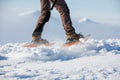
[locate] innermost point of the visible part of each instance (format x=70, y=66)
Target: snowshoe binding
x=37, y=42
x=75, y=39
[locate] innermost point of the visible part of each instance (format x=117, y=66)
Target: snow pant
x=62, y=8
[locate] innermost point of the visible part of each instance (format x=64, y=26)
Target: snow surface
x=96, y=59
x=90, y=60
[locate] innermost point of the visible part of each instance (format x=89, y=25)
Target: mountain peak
x=32, y=12
x=86, y=20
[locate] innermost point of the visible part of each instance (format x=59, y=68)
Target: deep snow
x=91, y=60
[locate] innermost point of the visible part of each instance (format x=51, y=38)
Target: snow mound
x=91, y=60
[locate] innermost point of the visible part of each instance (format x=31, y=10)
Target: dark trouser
x=62, y=8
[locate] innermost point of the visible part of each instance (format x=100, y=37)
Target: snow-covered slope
x=91, y=60
x=96, y=59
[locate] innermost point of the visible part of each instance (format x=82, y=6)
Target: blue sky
x=99, y=10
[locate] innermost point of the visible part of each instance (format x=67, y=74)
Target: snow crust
x=91, y=60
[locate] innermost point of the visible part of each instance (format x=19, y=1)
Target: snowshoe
x=75, y=39
x=38, y=42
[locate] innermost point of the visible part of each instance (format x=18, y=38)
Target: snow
x=95, y=59
x=90, y=60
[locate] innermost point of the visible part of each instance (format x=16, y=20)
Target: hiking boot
x=74, y=37
x=37, y=40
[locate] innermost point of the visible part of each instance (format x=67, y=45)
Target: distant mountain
x=97, y=30
x=32, y=12
x=86, y=20
x=22, y=26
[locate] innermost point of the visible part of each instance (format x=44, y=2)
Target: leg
x=44, y=17
x=62, y=8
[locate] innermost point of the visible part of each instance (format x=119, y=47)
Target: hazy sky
x=100, y=10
